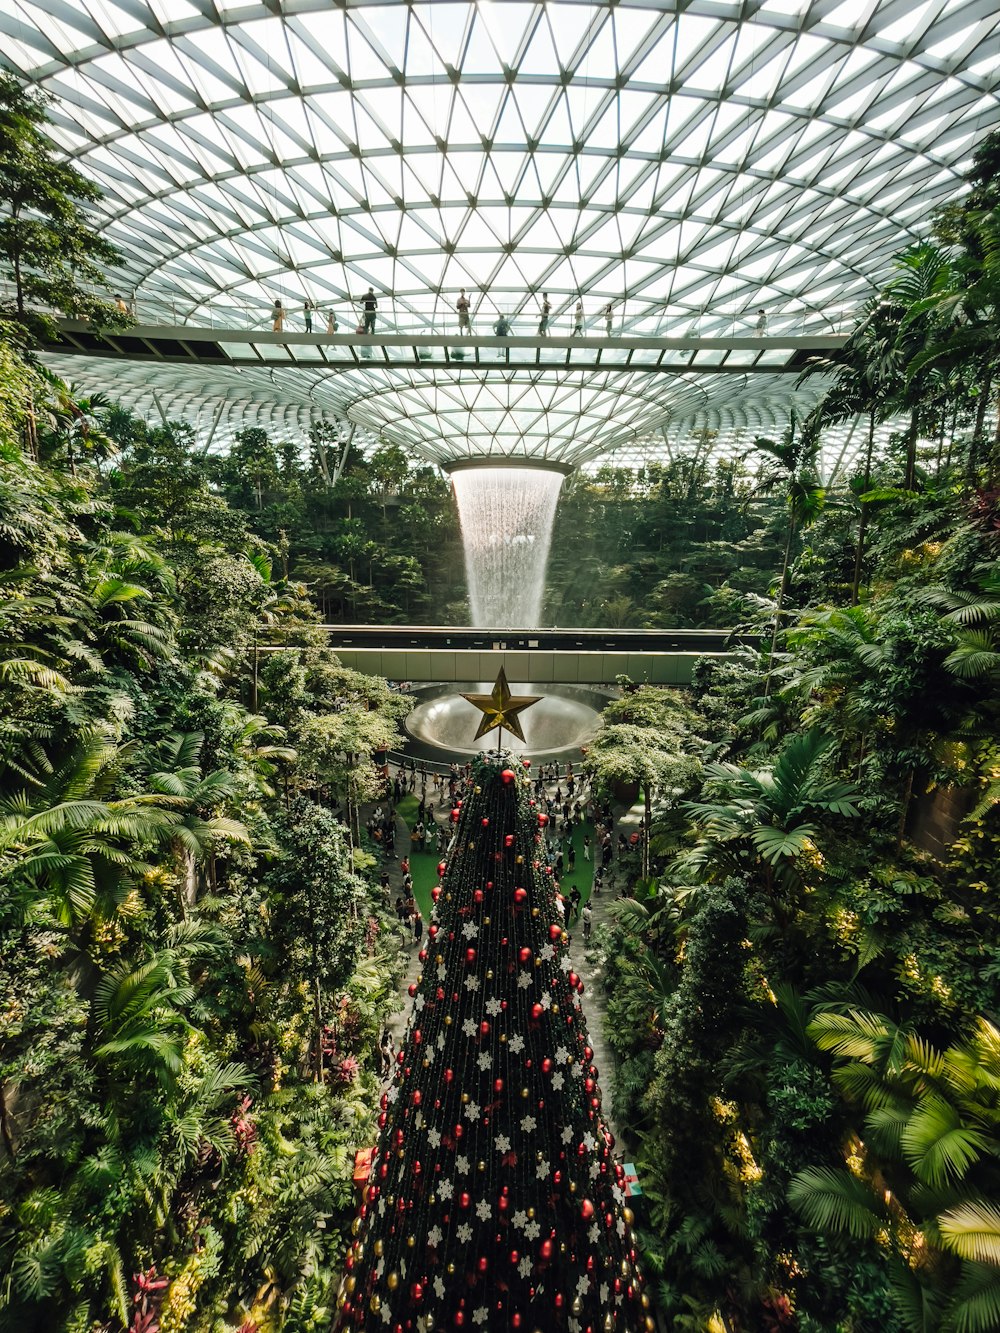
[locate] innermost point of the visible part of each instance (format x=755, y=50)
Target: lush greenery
x=194, y=963
x=804, y=998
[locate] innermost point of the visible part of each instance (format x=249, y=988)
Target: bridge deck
x=179, y=343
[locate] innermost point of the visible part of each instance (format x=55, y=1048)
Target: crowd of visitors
x=502, y=325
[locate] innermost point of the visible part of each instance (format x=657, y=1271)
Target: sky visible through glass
x=689, y=163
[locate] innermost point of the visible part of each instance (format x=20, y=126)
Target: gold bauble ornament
x=465, y=1099
x=450, y=1270
x=410, y=1242
x=379, y=1247
x=447, y=1020
x=629, y=1216
x=351, y=1283
x=392, y=1281
x=375, y=1304
x=480, y=1166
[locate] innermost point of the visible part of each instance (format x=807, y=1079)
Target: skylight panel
x=761, y=82
x=850, y=14
x=506, y=25
x=658, y=66
x=323, y=31
x=947, y=46
x=693, y=32
x=540, y=57
x=69, y=33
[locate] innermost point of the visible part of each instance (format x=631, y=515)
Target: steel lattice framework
x=691, y=162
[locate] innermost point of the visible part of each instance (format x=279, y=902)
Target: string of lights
x=494, y=1200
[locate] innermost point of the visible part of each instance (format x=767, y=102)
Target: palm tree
x=197, y=801
x=763, y=822
x=67, y=847
x=796, y=459
x=867, y=368
x=931, y=1138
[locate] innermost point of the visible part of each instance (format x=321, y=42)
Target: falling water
x=506, y=515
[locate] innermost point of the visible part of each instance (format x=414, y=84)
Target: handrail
x=405, y=316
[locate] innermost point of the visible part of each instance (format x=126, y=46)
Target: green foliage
x=186, y=953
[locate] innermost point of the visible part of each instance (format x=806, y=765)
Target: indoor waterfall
x=506, y=515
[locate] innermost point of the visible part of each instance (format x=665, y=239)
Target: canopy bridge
x=785, y=354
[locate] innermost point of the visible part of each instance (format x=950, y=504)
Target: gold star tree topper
x=500, y=708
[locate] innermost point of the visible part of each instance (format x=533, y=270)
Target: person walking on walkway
x=307, y=312
x=543, y=323
x=462, y=306
x=607, y=319
x=278, y=317
x=331, y=322
x=370, y=306
x=761, y=326
x=578, y=319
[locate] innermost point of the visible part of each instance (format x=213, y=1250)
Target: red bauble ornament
x=543, y=819
x=573, y=979
x=449, y=1074
x=507, y=776
x=477, y=897
x=411, y=989
x=486, y=821
x=521, y=896
x=418, y=1036
x=442, y=867
x=454, y=815
x=484, y=1028
x=498, y=1085
x=417, y=1292
x=464, y=1199
x=436, y=892
x=417, y=1097
x=525, y=954
x=555, y=932
x=545, y=1249
x=508, y=840
x=470, y=955
x=546, y=1065
x=586, y=1210
x=483, y=1263
x=536, y=1012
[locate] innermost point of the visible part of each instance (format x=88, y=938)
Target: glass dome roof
x=690, y=162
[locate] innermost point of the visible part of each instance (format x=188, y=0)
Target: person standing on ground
x=543, y=323
x=586, y=848
x=278, y=317
x=587, y=917
x=462, y=306
x=607, y=319
x=307, y=312
x=370, y=305
x=578, y=319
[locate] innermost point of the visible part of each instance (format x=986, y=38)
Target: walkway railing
x=403, y=316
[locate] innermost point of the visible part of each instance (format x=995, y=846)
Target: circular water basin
x=565, y=718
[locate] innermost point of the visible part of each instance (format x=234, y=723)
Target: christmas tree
x=494, y=1201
